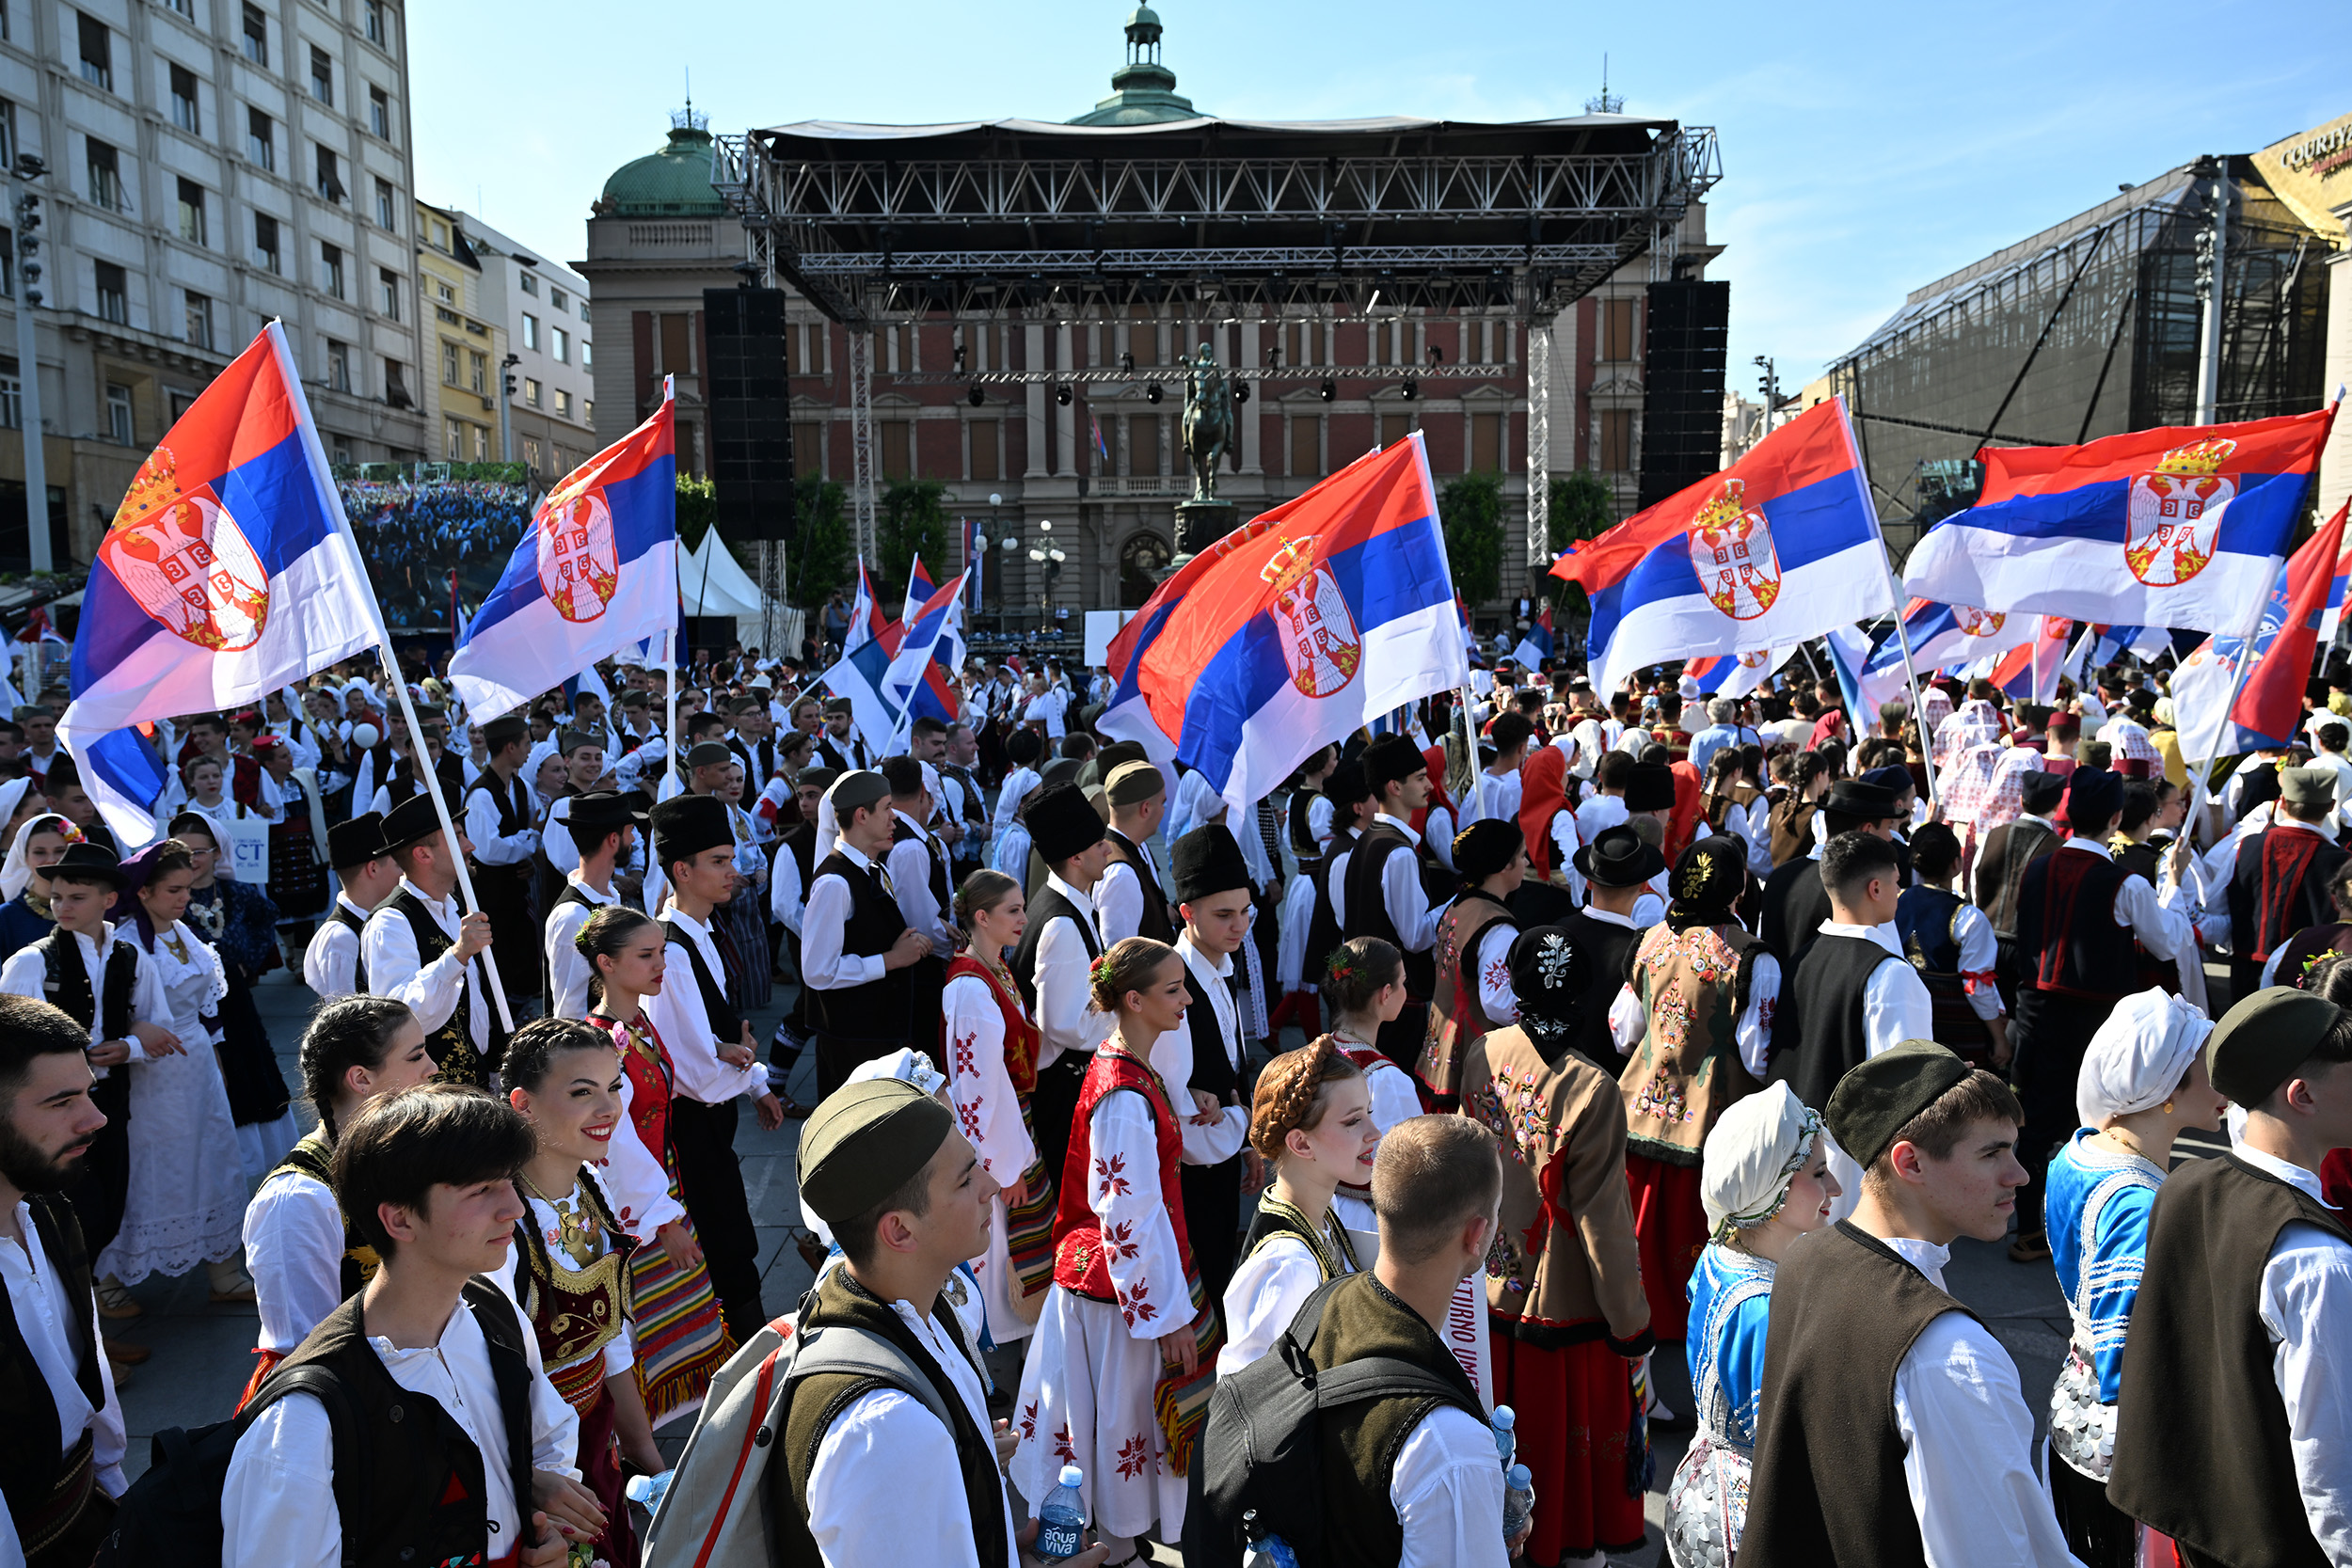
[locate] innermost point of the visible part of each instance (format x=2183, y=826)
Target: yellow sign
x=2312, y=174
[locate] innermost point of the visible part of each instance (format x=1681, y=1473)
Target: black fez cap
x=1871, y=802
x=1650, y=788
x=686, y=825
x=1390, y=758
x=1485, y=848
x=1062, y=822
x=2094, y=795
x=1208, y=859
x=356, y=842
x=2040, y=792
x=1345, y=785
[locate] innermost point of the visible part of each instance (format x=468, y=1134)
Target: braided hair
x=1290, y=1092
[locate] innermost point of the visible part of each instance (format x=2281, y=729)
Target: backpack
x=1263, y=1450
x=170, y=1516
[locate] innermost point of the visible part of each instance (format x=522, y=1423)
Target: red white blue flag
x=1293, y=630
x=1536, y=646
x=2336, y=582
x=2029, y=672
x=1735, y=674
x=917, y=682
x=2269, y=707
x=2178, y=527
x=229, y=573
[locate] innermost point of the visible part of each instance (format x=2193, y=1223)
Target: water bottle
x=1266, y=1549
x=647, y=1491
x=1506, y=1433
x=1061, y=1518
x=1518, y=1500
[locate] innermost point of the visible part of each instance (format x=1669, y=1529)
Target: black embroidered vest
x=65, y=981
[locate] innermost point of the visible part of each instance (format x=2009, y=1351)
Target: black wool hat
x=2093, y=797
x=356, y=842
x=1346, y=784
x=1390, y=758
x=1549, y=976
x=1871, y=802
x=1485, y=848
x=414, y=820
x=1208, y=859
x=1062, y=822
x=686, y=825
x=1617, y=857
x=89, y=862
x=2040, y=792
x=1651, y=788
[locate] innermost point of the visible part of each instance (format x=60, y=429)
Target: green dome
x=672, y=182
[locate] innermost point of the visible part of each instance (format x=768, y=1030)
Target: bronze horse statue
x=1208, y=421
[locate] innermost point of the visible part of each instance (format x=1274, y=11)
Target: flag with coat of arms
x=2267, y=708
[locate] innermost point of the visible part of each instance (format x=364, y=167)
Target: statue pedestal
x=1200, y=524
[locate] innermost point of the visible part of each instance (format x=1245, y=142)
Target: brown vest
x=1687, y=1070
x=1792, y=830
x=1456, y=1020
x=2009, y=850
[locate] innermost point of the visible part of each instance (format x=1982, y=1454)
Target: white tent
x=711, y=583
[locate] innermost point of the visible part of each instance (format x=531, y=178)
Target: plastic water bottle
x=648, y=1491
x=1266, y=1549
x=1061, y=1518
x=1518, y=1500
x=1506, y=1433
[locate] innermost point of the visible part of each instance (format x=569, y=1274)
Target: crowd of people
x=416, y=533
x=1325, y=1174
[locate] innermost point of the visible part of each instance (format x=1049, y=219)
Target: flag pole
x=1918, y=703
x=669, y=736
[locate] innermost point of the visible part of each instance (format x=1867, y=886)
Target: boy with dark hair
x=420, y=948
x=917, y=864
x=1894, y=1430
x=1795, y=896
x=363, y=865
x=603, y=825
x=1057, y=952
x=484, y=1472
x=854, y=936
x=1499, y=784
x=1951, y=944
x=1395, y=889
x=501, y=817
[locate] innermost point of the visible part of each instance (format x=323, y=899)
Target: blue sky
x=1866, y=149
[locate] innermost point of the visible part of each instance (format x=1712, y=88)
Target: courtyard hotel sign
x=2310, y=173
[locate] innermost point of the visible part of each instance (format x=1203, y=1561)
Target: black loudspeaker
x=750, y=406
x=1682, y=381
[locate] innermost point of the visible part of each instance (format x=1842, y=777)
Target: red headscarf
x=1543, y=795
x=1435, y=758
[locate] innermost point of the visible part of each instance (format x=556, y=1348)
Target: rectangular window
x=185, y=112
x=449, y=363
x=186, y=7
x=8, y=129
x=677, y=335
x=531, y=392
x=454, y=435
x=379, y=33
x=588, y=411
x=261, y=138
x=12, y=402
x=338, y=366
x=897, y=449
x=387, y=288
x=559, y=300
x=530, y=451
x=97, y=52
x=443, y=292
x=386, y=205
x=1143, y=443
x=587, y=354
x=531, y=282
x=322, y=76
x=199, y=318
x=983, y=433
x=331, y=268
x=1394, y=428
x=1617, y=440
x=114, y=294
x=1486, y=443
x=559, y=345
x=120, y=428
x=8, y=263
x=531, y=331
x=1617, y=328
x=481, y=443
x=380, y=113
x=563, y=402
x=1306, y=446
x=265, y=243
x=481, y=371
x=105, y=176
x=396, y=385
x=256, y=36
x=327, y=170
x=191, y=212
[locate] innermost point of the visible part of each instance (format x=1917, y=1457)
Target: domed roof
x=672, y=182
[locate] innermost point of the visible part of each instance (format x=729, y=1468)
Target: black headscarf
x=1707, y=883
x=1550, y=975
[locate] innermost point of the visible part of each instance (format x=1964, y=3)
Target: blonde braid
x=1290, y=1092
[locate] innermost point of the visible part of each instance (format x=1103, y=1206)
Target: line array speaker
x=1682, y=386
x=748, y=399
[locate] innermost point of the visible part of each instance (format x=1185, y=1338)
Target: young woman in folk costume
x=1548, y=821
x=1364, y=986
x=570, y=1277
x=681, y=1341
x=1118, y=1372
x=306, y=1258
x=1695, y=1021
x=1474, y=936
x=239, y=924
x=988, y=1043
x=1766, y=1181
x=38, y=845
x=1570, y=1327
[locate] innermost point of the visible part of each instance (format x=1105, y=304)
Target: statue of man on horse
x=1208, y=420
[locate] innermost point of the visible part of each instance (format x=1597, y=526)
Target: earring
x=2167, y=1107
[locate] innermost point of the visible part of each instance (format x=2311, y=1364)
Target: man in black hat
x=502, y=815
x=854, y=936
x=1618, y=866
x=917, y=862
x=2231, y=1435
x=712, y=1054
x=1396, y=888
x=422, y=948
x=2278, y=880
x=603, y=825
x=1206, y=1054
x=1795, y=902
x=1894, y=1428
x=363, y=867
x=2087, y=931
x=839, y=746
x=1063, y=940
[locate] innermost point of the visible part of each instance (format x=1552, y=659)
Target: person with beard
x=62, y=1468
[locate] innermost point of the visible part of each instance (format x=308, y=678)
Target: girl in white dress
x=187, y=1189
x=1127, y=1314
x=1311, y=1120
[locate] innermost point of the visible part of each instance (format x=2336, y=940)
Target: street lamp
x=1048, y=558
x=979, y=536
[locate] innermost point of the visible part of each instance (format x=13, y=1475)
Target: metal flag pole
x=1918, y=706
x=669, y=683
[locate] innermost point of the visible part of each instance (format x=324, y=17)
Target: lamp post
x=28, y=173
x=1049, y=558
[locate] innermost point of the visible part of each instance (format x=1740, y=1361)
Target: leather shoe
x=2031, y=1246
x=123, y=1353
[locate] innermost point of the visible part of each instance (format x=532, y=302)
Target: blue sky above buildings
x=1868, y=148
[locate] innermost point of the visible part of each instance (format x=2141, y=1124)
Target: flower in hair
x=1340, y=967
x=1100, y=971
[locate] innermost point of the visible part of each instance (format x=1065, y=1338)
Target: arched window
x=1142, y=559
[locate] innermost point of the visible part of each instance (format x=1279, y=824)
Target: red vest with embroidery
x=1080, y=1264
x=646, y=1062
x=1019, y=1033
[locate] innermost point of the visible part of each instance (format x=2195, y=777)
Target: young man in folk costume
x=2001, y=861
x=501, y=817
x=603, y=825
x=420, y=948
x=790, y=875
x=1892, y=1431
x=1063, y=940
x=2230, y=1433
x=1134, y=898
x=1474, y=936
x=363, y=864
x=2279, y=884
x=1564, y=1294
x=1348, y=794
x=840, y=747
x=2087, y=931
x=1950, y=942
x=917, y=864
x=1697, y=1019
x=854, y=937
x=1796, y=901
x=1618, y=866
x=712, y=1051
x=1395, y=889
x=484, y=1472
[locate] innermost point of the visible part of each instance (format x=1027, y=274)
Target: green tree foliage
x=913, y=522
x=1582, y=509
x=697, y=508
x=819, y=558
x=1469, y=508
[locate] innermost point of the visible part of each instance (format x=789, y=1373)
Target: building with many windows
x=210, y=165
x=542, y=308
x=464, y=342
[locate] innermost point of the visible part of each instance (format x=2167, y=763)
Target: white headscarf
x=11, y=796
x=2138, y=1056
x=1755, y=1149
x=18, y=873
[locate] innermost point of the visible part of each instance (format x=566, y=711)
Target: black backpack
x=1261, y=1453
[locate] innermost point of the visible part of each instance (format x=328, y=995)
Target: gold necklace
x=2130, y=1144
x=577, y=1230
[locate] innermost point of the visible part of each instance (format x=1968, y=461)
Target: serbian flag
x=229, y=573
x=2179, y=527
x=1536, y=646
x=916, y=683
x=2333, y=614
x=1779, y=547
x=596, y=572
x=1294, y=630
x=1734, y=674
x=2268, y=709
x=919, y=591
x=2029, y=672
